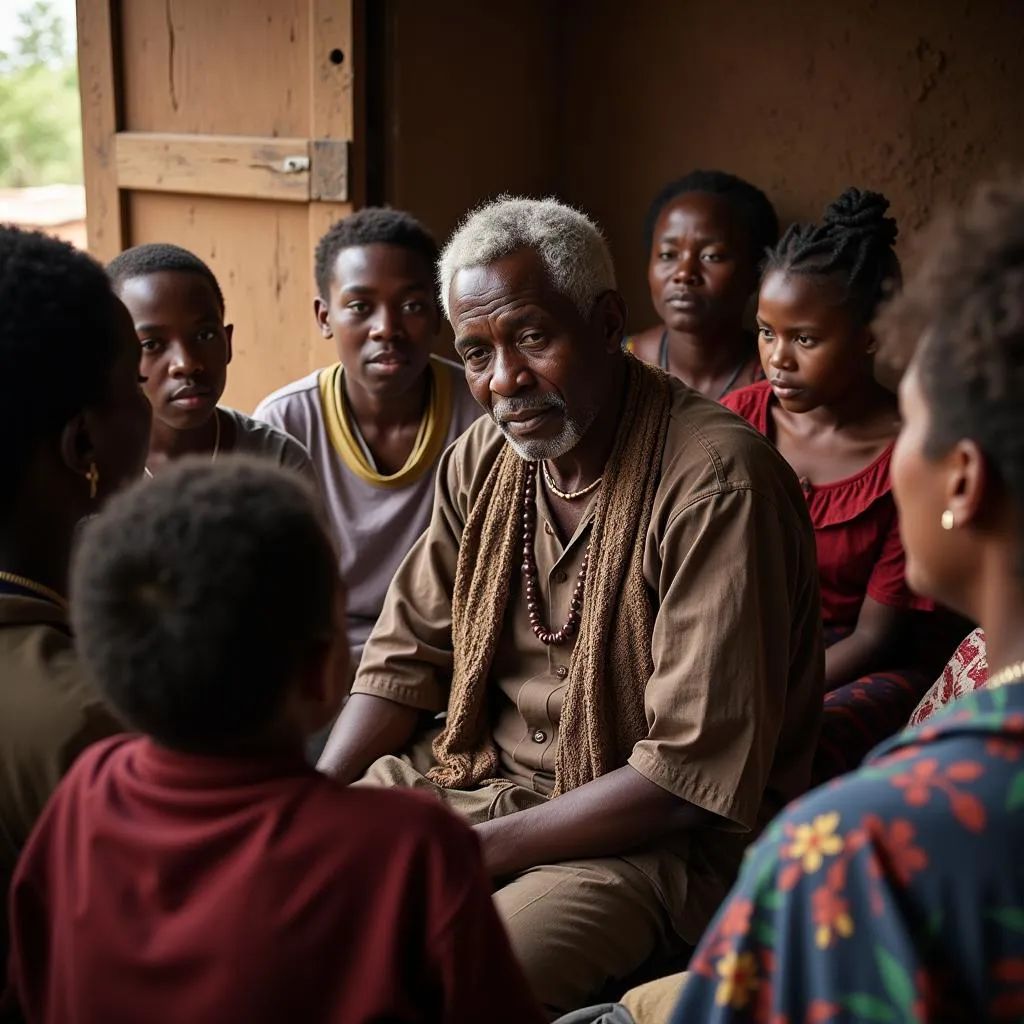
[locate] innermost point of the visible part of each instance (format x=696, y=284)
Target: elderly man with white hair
x=615, y=608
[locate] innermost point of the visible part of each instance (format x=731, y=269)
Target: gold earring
x=93, y=476
x=948, y=520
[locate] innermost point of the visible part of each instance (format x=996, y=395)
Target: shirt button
x=539, y=736
x=560, y=576
x=561, y=671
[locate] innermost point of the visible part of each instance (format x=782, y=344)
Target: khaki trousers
x=575, y=926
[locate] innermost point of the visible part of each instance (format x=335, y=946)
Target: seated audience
x=75, y=426
x=835, y=425
x=376, y=422
x=202, y=871
x=705, y=235
x=895, y=893
x=624, y=709
x=178, y=309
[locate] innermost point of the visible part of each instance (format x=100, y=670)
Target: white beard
x=539, y=451
x=573, y=428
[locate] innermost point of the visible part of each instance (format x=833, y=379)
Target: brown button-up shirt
x=734, y=702
x=48, y=715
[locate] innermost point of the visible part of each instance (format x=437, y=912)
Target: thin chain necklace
x=570, y=495
x=663, y=364
x=36, y=588
x=1011, y=674
x=216, y=441
x=541, y=631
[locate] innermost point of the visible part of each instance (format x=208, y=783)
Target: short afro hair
x=155, y=258
x=199, y=594
x=855, y=241
x=374, y=225
x=963, y=314
x=58, y=342
x=753, y=207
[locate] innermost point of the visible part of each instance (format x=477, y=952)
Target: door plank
x=104, y=208
x=254, y=167
x=332, y=66
x=215, y=67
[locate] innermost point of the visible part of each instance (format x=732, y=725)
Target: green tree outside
x=40, y=116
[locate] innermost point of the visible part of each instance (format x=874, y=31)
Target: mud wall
x=917, y=100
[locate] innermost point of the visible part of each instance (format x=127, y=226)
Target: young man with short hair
x=376, y=422
x=178, y=310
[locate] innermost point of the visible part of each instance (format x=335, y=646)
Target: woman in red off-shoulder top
x=834, y=423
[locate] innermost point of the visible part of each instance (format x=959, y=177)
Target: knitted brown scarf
x=603, y=710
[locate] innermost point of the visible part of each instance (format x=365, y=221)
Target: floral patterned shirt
x=893, y=894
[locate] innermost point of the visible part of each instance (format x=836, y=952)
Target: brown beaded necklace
x=543, y=634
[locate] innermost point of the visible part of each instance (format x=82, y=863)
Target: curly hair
x=57, y=341
x=962, y=313
x=570, y=245
x=855, y=239
x=754, y=208
x=155, y=258
x=198, y=595
x=373, y=225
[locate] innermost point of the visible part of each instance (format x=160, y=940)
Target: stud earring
x=948, y=520
x=93, y=476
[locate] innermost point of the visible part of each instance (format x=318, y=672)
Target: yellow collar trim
x=430, y=437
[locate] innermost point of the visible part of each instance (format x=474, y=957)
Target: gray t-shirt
x=374, y=526
x=254, y=437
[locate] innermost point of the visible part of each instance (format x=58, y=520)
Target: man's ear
x=320, y=311
x=610, y=315
x=229, y=333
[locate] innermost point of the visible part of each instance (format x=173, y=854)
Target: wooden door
x=225, y=127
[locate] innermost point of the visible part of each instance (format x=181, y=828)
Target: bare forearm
x=369, y=727
x=615, y=813
x=879, y=627
x=852, y=657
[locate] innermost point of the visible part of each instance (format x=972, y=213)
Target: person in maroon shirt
x=834, y=423
x=201, y=871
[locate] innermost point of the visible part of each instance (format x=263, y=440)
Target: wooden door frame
x=316, y=171
x=105, y=206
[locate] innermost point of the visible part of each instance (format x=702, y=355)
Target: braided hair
x=855, y=239
x=752, y=206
